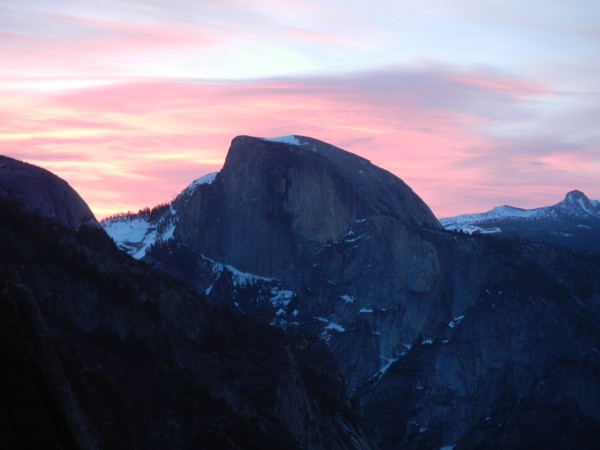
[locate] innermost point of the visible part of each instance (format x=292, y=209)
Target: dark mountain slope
x=100, y=351
x=42, y=192
x=514, y=368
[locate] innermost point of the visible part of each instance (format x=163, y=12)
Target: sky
x=474, y=104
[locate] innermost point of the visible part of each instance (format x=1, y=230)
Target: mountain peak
x=295, y=163
x=293, y=195
x=575, y=196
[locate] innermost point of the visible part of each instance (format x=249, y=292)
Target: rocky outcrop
x=42, y=192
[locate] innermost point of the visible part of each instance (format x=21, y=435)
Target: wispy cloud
x=464, y=140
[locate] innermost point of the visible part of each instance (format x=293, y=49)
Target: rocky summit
x=276, y=202
x=446, y=340
x=41, y=192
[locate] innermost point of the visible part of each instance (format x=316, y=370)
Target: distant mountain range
x=573, y=222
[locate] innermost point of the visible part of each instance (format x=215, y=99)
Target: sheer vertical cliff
x=275, y=203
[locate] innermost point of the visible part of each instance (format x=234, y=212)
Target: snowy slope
x=135, y=233
x=573, y=222
x=575, y=206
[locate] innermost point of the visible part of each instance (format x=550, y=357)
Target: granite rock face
x=274, y=204
x=42, y=192
x=445, y=339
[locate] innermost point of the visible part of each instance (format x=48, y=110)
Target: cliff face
x=445, y=339
x=275, y=203
x=513, y=363
x=42, y=192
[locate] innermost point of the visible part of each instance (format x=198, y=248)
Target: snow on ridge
x=381, y=372
x=497, y=213
x=135, y=235
x=584, y=207
x=455, y=321
x=335, y=327
x=573, y=205
x=239, y=278
x=205, y=179
x=291, y=140
x=509, y=212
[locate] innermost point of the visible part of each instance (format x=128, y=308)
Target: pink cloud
x=87, y=47
x=131, y=145
x=502, y=85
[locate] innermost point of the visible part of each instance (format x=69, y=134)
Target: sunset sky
x=472, y=103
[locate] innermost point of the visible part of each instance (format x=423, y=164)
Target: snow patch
x=455, y=321
x=281, y=297
x=347, y=298
x=239, y=278
x=291, y=140
x=471, y=229
x=381, y=372
x=351, y=240
x=335, y=327
x=427, y=342
x=331, y=326
x=133, y=235
x=168, y=233
x=365, y=310
x=206, y=179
